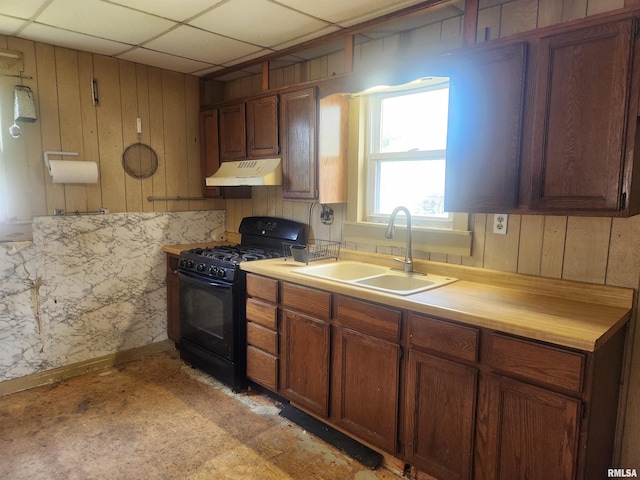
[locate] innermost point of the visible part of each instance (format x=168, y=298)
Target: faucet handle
x=407, y=262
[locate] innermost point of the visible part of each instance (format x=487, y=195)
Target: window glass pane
x=417, y=185
x=414, y=122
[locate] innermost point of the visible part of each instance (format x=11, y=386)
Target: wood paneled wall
x=167, y=103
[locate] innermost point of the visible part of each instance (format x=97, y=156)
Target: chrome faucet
x=408, y=259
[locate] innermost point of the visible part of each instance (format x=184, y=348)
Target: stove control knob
x=189, y=263
x=222, y=273
x=213, y=271
x=201, y=267
x=183, y=263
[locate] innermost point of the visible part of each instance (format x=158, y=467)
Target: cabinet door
x=298, y=118
x=305, y=355
x=173, y=298
x=485, y=125
x=365, y=387
x=209, y=154
x=262, y=126
x=233, y=136
x=525, y=432
x=440, y=415
x=580, y=114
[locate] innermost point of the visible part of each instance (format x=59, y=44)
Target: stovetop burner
x=236, y=253
x=262, y=238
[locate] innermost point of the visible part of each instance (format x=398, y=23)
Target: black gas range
x=212, y=296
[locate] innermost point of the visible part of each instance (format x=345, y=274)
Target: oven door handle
x=199, y=280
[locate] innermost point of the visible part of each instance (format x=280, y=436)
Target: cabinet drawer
x=262, y=368
x=262, y=287
x=307, y=300
x=365, y=317
x=263, y=313
x=262, y=338
x=443, y=337
x=542, y=363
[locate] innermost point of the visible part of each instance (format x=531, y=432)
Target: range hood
x=266, y=171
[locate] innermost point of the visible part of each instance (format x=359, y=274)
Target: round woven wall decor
x=139, y=160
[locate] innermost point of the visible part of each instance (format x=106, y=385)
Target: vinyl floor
x=157, y=418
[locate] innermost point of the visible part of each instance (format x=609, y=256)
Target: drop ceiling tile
x=21, y=8
x=257, y=21
x=351, y=12
x=163, y=60
x=190, y=42
x=104, y=20
x=310, y=36
x=246, y=58
x=321, y=50
x=206, y=71
x=435, y=15
x=171, y=9
x=234, y=75
x=8, y=25
x=78, y=41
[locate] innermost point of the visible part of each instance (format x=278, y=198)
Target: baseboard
x=62, y=373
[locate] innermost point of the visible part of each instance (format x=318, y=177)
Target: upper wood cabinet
x=233, y=132
x=584, y=120
x=209, y=149
x=262, y=126
x=249, y=129
x=332, y=148
x=314, y=155
x=485, y=127
x=298, y=120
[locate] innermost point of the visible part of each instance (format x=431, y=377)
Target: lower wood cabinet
x=263, y=361
x=526, y=432
x=440, y=416
x=305, y=376
x=462, y=403
x=366, y=374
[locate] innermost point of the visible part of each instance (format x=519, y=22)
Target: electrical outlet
x=500, y=223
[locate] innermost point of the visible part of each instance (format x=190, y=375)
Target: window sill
x=433, y=240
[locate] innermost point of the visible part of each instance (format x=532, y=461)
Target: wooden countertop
x=571, y=314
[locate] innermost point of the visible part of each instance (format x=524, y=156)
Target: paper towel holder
x=49, y=152
x=59, y=170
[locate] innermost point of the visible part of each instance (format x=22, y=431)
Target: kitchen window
x=407, y=153
x=401, y=157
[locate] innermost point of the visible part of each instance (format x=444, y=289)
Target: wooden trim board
x=62, y=373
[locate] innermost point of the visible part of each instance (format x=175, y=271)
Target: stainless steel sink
x=375, y=277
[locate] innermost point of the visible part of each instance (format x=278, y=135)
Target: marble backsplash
x=88, y=286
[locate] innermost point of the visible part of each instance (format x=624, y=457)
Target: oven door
x=206, y=313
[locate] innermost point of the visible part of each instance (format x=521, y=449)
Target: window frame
x=448, y=238
x=374, y=158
